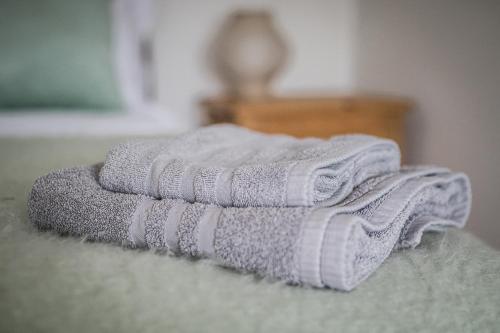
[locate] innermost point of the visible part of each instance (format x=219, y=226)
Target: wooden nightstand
x=317, y=116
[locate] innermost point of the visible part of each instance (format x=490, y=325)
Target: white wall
x=318, y=34
x=446, y=55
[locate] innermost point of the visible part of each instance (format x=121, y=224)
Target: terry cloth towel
x=335, y=247
x=230, y=166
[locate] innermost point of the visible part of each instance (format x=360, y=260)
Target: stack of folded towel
x=324, y=213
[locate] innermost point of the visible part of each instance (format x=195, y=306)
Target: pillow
x=57, y=54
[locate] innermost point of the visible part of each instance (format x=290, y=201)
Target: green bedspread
x=451, y=282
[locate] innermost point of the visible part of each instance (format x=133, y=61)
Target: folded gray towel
x=337, y=246
x=231, y=166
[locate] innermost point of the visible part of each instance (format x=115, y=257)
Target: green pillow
x=57, y=54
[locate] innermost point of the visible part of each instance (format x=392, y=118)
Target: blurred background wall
x=443, y=54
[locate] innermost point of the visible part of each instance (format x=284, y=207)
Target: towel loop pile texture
x=230, y=166
x=312, y=242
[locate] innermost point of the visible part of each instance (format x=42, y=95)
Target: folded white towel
x=336, y=246
x=231, y=166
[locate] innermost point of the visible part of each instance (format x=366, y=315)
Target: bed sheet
x=450, y=282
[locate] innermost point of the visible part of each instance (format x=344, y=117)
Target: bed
x=93, y=74
x=62, y=284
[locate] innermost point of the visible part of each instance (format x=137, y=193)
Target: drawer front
x=323, y=123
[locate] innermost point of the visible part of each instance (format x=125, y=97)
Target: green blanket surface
x=450, y=283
